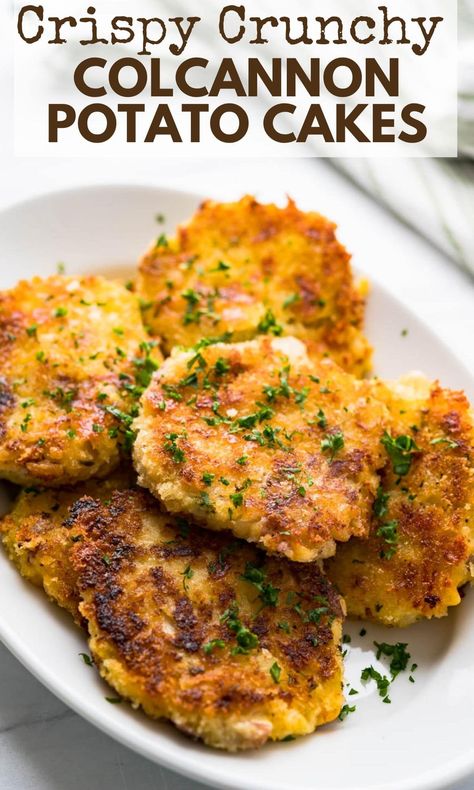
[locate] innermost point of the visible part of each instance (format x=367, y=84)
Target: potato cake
x=258, y=439
x=38, y=535
x=242, y=269
x=234, y=647
x=74, y=359
x=422, y=538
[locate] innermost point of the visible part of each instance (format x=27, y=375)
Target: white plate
x=424, y=738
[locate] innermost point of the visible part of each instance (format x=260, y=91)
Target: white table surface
x=43, y=745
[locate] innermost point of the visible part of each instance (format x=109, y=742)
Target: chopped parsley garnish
x=246, y=639
x=60, y=312
x=291, y=300
x=401, y=450
x=172, y=392
x=126, y=421
x=332, y=443
x=161, y=241
x=267, y=593
x=213, y=645
x=31, y=330
x=222, y=266
x=187, y=575
x=222, y=366
x=399, y=662
x=389, y=533
x=207, y=478
x=113, y=700
x=398, y=653
x=320, y=419
x=87, y=659
x=382, y=681
x=170, y=446
x=301, y=395
x=205, y=502
x=242, y=460
x=444, y=440
x=191, y=315
x=251, y=420
x=144, y=366
x=284, y=625
x=314, y=615
x=25, y=423
x=269, y=325
x=275, y=672
x=237, y=499
x=380, y=504
x=63, y=397
x=345, y=710
x=191, y=380
x=284, y=390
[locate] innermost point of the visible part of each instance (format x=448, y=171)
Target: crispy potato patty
x=422, y=538
x=246, y=268
x=38, y=535
x=257, y=439
x=74, y=357
x=234, y=647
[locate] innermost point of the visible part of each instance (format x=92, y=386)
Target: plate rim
x=453, y=771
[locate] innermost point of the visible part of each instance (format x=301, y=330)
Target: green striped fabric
x=435, y=196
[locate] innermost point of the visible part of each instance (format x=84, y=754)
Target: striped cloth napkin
x=435, y=196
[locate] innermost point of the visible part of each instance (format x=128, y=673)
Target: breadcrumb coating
x=258, y=439
x=74, y=359
x=421, y=544
x=246, y=268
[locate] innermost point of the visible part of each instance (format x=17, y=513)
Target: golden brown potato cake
x=245, y=269
x=38, y=535
x=256, y=438
x=421, y=544
x=74, y=358
x=234, y=647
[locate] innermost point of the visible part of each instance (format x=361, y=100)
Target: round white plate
x=424, y=738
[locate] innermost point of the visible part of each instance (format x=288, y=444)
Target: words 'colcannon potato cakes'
x=74, y=359
x=257, y=439
x=234, y=647
x=421, y=545
x=244, y=269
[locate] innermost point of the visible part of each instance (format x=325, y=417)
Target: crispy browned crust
x=155, y=591
x=433, y=506
x=38, y=534
x=70, y=349
x=241, y=260
x=272, y=482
